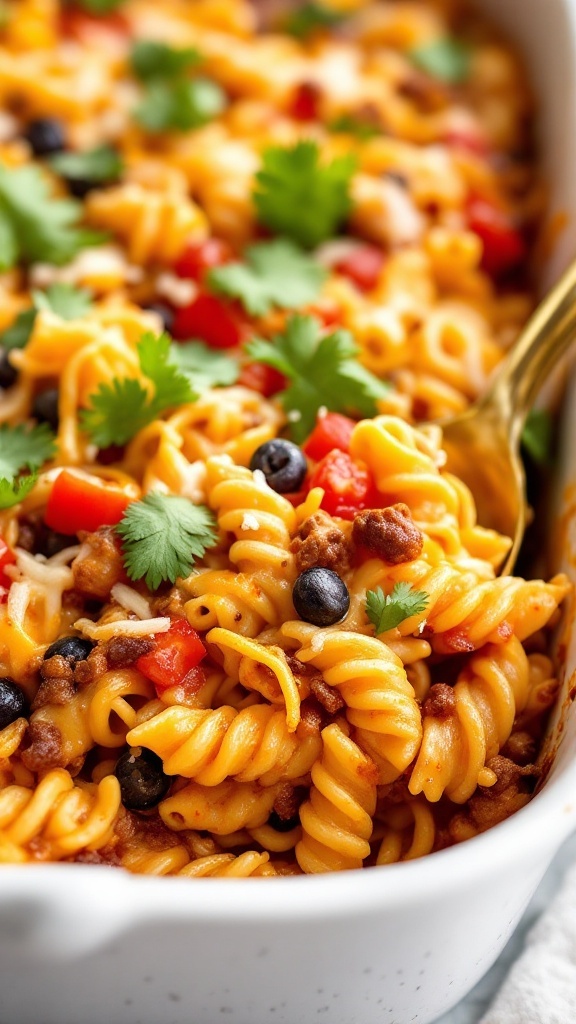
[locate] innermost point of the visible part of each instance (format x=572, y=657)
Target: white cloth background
x=534, y=980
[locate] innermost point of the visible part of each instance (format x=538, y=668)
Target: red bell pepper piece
x=261, y=378
x=77, y=503
x=503, y=245
x=197, y=259
x=348, y=485
x=362, y=266
x=304, y=103
x=211, y=320
x=331, y=431
x=176, y=653
x=7, y=557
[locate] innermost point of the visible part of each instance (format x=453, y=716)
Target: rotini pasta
x=250, y=625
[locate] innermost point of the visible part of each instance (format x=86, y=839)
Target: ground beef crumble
x=320, y=542
x=389, y=533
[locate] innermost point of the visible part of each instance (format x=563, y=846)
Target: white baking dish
x=393, y=945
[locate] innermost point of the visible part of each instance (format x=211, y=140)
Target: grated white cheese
x=130, y=599
x=249, y=522
x=317, y=642
x=259, y=479
x=122, y=627
x=177, y=290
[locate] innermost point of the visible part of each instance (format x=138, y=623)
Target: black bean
x=45, y=408
x=13, y=703
x=73, y=648
x=320, y=597
x=143, y=783
x=8, y=373
x=283, y=464
x=166, y=314
x=283, y=824
x=45, y=135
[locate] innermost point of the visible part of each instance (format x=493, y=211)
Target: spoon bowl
x=483, y=444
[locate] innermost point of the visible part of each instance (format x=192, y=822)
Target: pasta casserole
x=249, y=623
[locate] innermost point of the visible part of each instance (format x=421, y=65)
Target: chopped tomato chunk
x=211, y=320
x=348, y=485
x=76, y=503
x=304, y=105
x=7, y=557
x=331, y=431
x=199, y=258
x=363, y=266
x=98, y=30
x=504, y=246
x=261, y=378
x=176, y=653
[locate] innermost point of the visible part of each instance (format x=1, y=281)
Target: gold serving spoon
x=483, y=444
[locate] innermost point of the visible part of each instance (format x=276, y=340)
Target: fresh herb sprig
x=36, y=226
x=23, y=450
x=323, y=372
x=274, y=274
x=162, y=536
x=117, y=411
x=386, y=611
x=172, y=101
x=301, y=198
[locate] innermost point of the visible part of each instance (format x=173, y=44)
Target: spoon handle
x=546, y=337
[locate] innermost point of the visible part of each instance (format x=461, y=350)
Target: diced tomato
x=176, y=654
x=197, y=259
x=348, y=485
x=98, y=30
x=212, y=320
x=7, y=557
x=331, y=431
x=304, y=104
x=76, y=503
x=261, y=378
x=504, y=247
x=467, y=138
x=328, y=312
x=363, y=266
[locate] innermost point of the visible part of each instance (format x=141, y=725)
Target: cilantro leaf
x=101, y=165
x=275, y=274
x=17, y=335
x=446, y=59
x=99, y=6
x=351, y=124
x=64, y=299
x=117, y=411
x=322, y=371
x=43, y=228
x=301, y=198
x=162, y=536
x=171, y=387
x=14, y=491
x=205, y=367
x=537, y=436
x=388, y=611
x=179, y=105
x=24, y=447
x=150, y=59
x=310, y=18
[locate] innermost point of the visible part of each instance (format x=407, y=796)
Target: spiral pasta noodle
x=337, y=820
x=251, y=623
x=380, y=701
